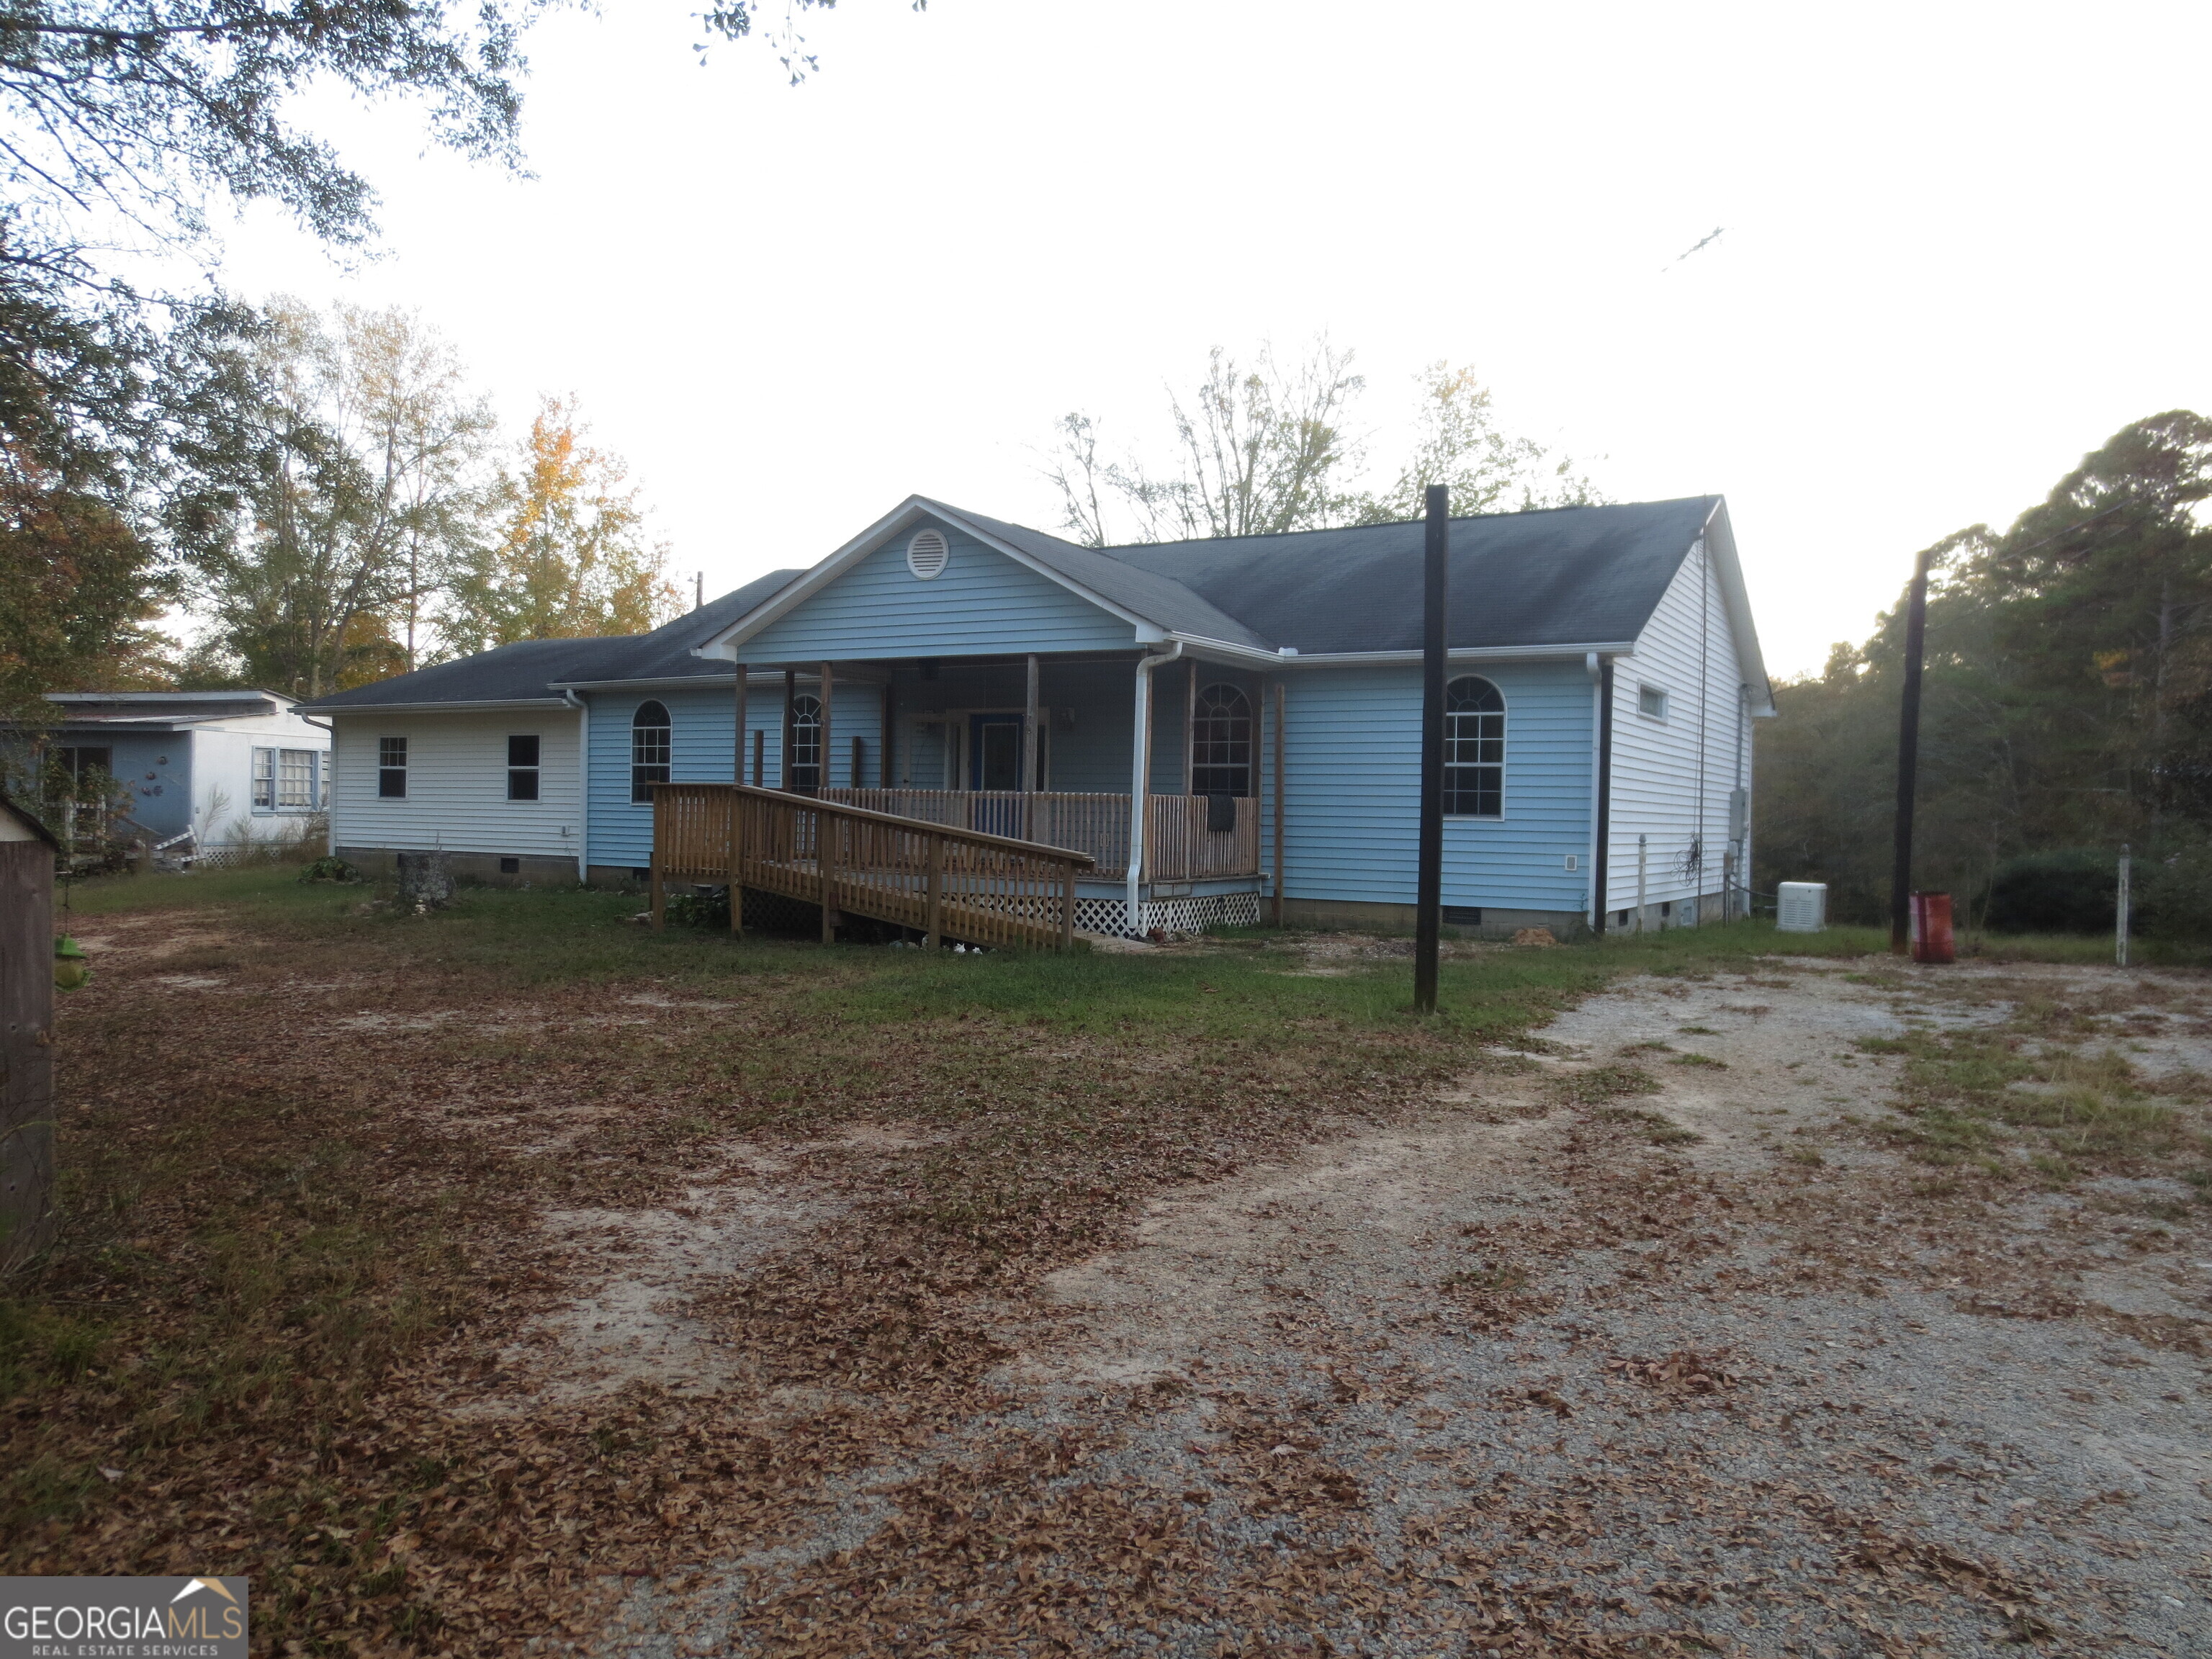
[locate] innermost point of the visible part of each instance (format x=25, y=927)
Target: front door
x=995, y=763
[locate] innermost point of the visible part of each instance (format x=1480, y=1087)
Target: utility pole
x=1428, y=894
x=1908, y=757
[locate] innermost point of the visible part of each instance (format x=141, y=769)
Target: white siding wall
x=456, y=784
x=1688, y=651
x=220, y=782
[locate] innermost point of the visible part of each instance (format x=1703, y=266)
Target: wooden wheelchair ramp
x=946, y=882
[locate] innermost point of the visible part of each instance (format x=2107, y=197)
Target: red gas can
x=1931, y=927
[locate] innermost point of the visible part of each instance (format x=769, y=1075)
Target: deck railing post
x=1066, y=906
x=936, y=903
x=825, y=860
x=737, y=854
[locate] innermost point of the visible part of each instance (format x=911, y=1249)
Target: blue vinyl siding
x=1353, y=792
x=983, y=603
x=700, y=726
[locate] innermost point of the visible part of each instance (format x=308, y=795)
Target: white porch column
x=1141, y=781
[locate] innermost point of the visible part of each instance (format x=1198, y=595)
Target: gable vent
x=926, y=554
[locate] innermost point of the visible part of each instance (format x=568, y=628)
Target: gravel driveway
x=1657, y=1337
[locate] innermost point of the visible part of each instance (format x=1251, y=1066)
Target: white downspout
x=1598, y=714
x=583, y=785
x=1140, y=784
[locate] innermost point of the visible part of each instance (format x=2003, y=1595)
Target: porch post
x=738, y=744
x=1029, y=745
x=790, y=715
x=1189, y=724
x=1140, y=751
x=1277, y=883
x=824, y=783
x=888, y=748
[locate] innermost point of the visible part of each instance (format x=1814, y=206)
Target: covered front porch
x=1182, y=843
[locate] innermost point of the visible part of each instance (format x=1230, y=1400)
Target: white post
x=1141, y=786
x=1643, y=865
x=2120, y=931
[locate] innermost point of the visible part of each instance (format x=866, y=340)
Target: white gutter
x=583, y=786
x=335, y=709
x=1140, y=784
x=1200, y=646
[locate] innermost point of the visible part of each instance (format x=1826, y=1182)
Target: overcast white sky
x=1964, y=244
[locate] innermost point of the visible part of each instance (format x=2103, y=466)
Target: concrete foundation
x=531, y=870
x=1365, y=916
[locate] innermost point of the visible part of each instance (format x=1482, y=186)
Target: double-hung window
x=522, y=768
x=392, y=768
x=1221, y=742
x=287, y=780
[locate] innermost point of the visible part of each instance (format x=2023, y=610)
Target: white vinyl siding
x=1688, y=654
x=456, y=784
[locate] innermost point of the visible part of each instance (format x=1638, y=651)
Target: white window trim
x=406, y=763
x=1504, y=757
x=1665, y=701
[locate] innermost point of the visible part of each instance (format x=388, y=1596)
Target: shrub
x=2068, y=891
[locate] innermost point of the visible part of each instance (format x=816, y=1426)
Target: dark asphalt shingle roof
x=533, y=668
x=1569, y=575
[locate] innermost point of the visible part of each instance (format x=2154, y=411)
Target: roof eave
x=449, y=708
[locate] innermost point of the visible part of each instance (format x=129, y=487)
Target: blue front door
x=995, y=763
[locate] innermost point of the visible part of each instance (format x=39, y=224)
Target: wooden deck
x=948, y=881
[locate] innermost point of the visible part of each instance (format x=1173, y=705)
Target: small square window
x=522, y=768
x=1651, y=703
x=510, y=866
x=392, y=768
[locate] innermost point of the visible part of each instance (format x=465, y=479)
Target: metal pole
x=1908, y=759
x=2120, y=939
x=1428, y=896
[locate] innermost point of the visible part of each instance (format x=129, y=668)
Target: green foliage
x=2068, y=891
x=329, y=868
x=1265, y=447
x=2068, y=701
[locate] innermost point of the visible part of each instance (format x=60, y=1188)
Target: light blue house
x=1243, y=712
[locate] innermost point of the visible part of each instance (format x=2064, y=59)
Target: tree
x=569, y=560
x=339, y=489
x=1265, y=449
x=2068, y=700
x=1461, y=447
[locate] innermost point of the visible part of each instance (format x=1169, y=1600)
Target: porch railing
x=1178, y=847
x=948, y=882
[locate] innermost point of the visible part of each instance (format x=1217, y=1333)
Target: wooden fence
x=1178, y=847
x=948, y=882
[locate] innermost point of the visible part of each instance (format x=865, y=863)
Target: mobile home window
x=522, y=768
x=295, y=781
x=392, y=768
x=1651, y=703
x=82, y=766
x=1221, y=743
x=1475, y=749
x=648, y=749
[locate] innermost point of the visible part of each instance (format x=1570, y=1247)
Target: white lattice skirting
x=1189, y=915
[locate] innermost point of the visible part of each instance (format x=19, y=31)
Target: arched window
x=804, y=771
x=1221, y=743
x=1475, y=749
x=648, y=749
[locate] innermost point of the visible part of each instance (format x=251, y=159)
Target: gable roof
x=1557, y=578
x=537, y=670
